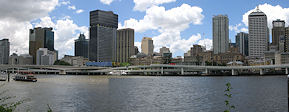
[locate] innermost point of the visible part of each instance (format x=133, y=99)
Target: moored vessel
x=28, y=78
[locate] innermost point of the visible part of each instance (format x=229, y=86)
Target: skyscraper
x=40, y=38
x=147, y=46
x=81, y=46
x=286, y=39
x=258, y=34
x=278, y=31
x=124, y=44
x=4, y=51
x=242, y=43
x=220, y=34
x=102, y=38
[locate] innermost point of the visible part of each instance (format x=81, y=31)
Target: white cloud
x=237, y=28
x=156, y=17
x=272, y=12
x=64, y=3
x=15, y=20
x=65, y=32
x=169, y=23
x=26, y=10
x=79, y=11
x=142, y=5
x=138, y=44
x=207, y=43
x=107, y=2
x=72, y=7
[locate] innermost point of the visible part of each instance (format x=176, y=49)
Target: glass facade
x=102, y=40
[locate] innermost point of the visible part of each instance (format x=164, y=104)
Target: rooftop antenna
x=204, y=43
x=258, y=10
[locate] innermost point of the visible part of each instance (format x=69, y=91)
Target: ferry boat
x=2, y=76
x=28, y=78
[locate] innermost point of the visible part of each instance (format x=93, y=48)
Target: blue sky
x=189, y=24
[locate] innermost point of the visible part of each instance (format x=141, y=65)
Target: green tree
x=59, y=62
x=228, y=95
x=9, y=106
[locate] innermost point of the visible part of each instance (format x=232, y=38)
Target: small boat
x=28, y=78
x=117, y=73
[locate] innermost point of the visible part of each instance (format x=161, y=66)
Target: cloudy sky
x=177, y=24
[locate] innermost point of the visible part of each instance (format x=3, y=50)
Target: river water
x=150, y=94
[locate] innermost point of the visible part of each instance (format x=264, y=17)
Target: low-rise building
x=24, y=59
x=269, y=57
x=143, y=59
x=75, y=60
x=282, y=58
x=224, y=58
x=45, y=57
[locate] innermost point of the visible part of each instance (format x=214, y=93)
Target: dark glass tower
x=278, y=32
x=40, y=38
x=81, y=46
x=102, y=38
x=4, y=51
x=242, y=43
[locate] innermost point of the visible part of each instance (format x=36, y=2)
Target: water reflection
x=139, y=93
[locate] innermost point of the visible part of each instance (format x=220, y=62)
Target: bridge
x=154, y=69
x=162, y=69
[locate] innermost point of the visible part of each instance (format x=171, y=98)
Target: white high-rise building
x=220, y=34
x=258, y=34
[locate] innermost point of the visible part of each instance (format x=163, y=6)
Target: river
x=68, y=93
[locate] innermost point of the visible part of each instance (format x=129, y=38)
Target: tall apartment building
x=242, y=43
x=81, y=46
x=40, y=38
x=147, y=46
x=124, y=45
x=258, y=34
x=4, y=51
x=220, y=34
x=278, y=33
x=102, y=38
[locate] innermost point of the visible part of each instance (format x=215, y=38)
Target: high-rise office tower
x=147, y=46
x=278, y=31
x=81, y=46
x=4, y=51
x=124, y=44
x=102, y=38
x=258, y=34
x=40, y=38
x=242, y=43
x=286, y=39
x=220, y=34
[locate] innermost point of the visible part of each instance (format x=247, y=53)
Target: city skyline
x=67, y=20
